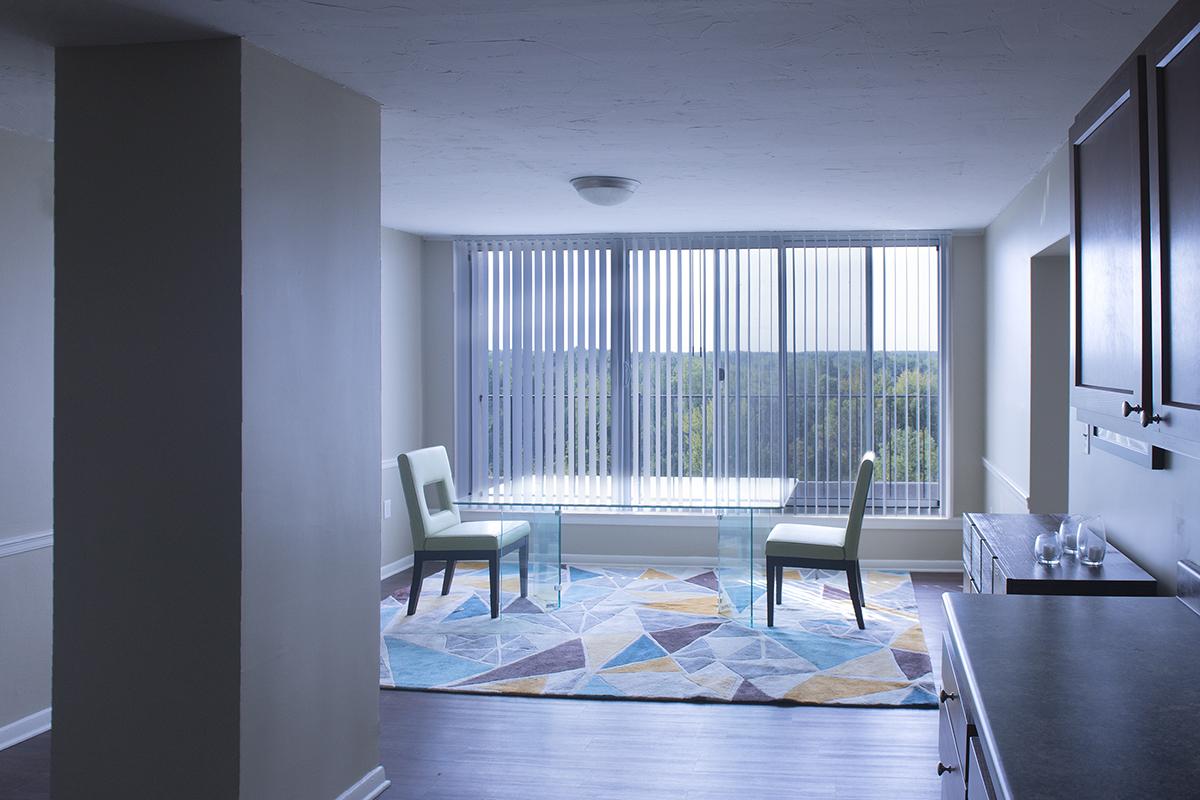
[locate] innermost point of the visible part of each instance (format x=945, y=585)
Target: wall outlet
x=387, y=509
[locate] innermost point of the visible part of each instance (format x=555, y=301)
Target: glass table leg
x=542, y=558
x=735, y=565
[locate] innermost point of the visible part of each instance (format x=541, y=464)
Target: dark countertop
x=1083, y=697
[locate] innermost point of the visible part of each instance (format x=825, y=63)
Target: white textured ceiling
x=734, y=115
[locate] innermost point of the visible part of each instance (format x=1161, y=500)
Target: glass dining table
x=740, y=526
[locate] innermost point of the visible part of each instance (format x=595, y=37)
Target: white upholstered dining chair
x=821, y=547
x=439, y=534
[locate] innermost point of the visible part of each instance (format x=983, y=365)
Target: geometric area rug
x=655, y=634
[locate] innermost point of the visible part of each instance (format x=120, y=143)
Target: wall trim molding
x=25, y=728
x=25, y=542
x=1008, y=483
x=368, y=787
x=388, y=570
x=912, y=565
x=390, y=463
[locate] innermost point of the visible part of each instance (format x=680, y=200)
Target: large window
x=677, y=368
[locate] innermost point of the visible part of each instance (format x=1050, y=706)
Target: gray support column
x=216, y=426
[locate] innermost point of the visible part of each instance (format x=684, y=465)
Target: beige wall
x=26, y=397
x=1035, y=219
x=936, y=540
x=403, y=391
x=967, y=336
x=437, y=343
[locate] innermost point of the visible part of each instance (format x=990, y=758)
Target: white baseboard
x=369, y=786
x=388, y=570
x=26, y=728
x=912, y=565
x=584, y=559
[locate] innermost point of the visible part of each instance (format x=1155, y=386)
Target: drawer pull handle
x=943, y=769
x=1144, y=416
x=945, y=696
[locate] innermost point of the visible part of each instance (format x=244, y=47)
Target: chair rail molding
x=25, y=542
x=390, y=463
x=1008, y=483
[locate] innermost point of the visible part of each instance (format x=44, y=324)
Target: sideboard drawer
x=985, y=570
x=971, y=548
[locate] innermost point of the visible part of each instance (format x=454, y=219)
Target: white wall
x=1034, y=220
x=1152, y=515
x=403, y=390
x=26, y=397
x=933, y=540
x=311, y=395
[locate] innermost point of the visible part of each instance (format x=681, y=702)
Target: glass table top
x=756, y=494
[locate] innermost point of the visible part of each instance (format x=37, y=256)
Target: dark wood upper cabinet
x=1172, y=54
x=1110, y=253
x=1135, y=242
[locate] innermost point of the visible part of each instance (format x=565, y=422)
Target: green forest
x=694, y=417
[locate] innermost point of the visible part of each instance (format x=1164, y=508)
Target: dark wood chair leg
x=448, y=577
x=494, y=582
x=524, y=556
x=414, y=589
x=855, y=593
x=771, y=583
x=862, y=592
x=779, y=585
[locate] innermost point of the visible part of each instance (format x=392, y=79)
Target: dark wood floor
x=437, y=746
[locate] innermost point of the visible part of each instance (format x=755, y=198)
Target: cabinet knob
x=943, y=696
x=1147, y=419
x=1127, y=409
x=943, y=769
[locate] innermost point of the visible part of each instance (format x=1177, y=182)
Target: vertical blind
x=678, y=369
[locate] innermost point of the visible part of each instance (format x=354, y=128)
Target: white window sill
x=692, y=519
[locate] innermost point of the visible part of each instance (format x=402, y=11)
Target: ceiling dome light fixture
x=605, y=190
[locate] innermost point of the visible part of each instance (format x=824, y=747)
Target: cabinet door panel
x=1174, y=103
x=1110, y=247
x=1109, y=357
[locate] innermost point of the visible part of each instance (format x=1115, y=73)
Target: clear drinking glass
x=1068, y=533
x=1093, y=541
x=1048, y=549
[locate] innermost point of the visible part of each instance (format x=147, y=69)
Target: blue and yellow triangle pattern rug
x=656, y=634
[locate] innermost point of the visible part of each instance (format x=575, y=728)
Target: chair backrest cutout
x=429, y=491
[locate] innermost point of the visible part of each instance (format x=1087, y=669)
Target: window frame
x=463, y=289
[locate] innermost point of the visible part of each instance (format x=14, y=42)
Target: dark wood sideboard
x=998, y=558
